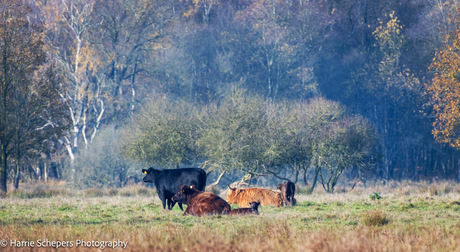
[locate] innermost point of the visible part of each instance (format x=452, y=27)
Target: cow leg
x=168, y=201
x=171, y=204
x=187, y=211
x=180, y=205
x=291, y=201
x=163, y=199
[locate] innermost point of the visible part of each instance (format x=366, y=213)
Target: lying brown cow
x=201, y=203
x=287, y=191
x=243, y=197
x=251, y=210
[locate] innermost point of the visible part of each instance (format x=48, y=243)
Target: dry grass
x=407, y=218
x=374, y=218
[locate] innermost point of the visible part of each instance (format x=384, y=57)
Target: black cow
x=288, y=191
x=168, y=182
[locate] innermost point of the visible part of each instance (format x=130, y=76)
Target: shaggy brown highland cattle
x=201, y=203
x=243, y=197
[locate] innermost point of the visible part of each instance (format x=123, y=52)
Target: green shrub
x=375, y=196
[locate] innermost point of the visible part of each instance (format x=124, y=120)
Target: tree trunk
x=45, y=171
x=315, y=179
x=68, y=145
x=211, y=186
x=359, y=179
x=296, y=175
x=133, y=89
x=17, y=175
x=18, y=162
x=98, y=120
x=3, y=168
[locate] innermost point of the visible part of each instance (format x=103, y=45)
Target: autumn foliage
x=445, y=90
x=110, y=59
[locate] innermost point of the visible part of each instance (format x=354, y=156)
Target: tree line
x=256, y=137
x=73, y=71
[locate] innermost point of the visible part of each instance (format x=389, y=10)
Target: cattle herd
x=186, y=186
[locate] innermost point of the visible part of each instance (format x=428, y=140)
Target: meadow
x=397, y=216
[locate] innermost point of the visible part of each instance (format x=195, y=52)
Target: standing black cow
x=288, y=191
x=168, y=182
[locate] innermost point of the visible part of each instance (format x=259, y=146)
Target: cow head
x=232, y=195
x=184, y=194
x=281, y=186
x=149, y=175
x=254, y=206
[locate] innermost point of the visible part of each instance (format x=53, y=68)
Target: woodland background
x=259, y=90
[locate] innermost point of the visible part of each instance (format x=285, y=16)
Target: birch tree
x=69, y=24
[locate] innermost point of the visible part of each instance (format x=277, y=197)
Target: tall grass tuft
x=374, y=218
x=433, y=191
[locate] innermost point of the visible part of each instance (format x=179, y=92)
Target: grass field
x=408, y=217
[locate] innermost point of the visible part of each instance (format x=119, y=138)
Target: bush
x=375, y=196
x=101, y=165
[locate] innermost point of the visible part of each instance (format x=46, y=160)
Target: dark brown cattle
x=250, y=210
x=287, y=191
x=201, y=203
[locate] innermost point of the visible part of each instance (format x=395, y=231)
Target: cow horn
x=233, y=189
